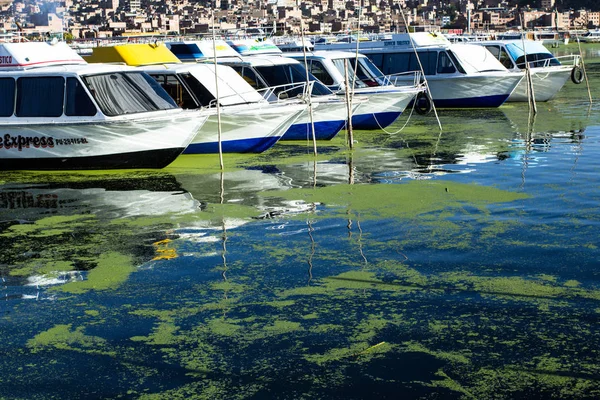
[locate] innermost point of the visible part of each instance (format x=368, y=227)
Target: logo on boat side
x=5, y=59
x=25, y=142
x=19, y=142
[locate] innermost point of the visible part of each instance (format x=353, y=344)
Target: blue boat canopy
x=515, y=49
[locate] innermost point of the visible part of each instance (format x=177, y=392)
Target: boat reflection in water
x=55, y=228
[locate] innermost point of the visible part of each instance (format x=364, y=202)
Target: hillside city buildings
x=107, y=18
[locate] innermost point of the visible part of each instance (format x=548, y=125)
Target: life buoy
x=423, y=104
x=577, y=75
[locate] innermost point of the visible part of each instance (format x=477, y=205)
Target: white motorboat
x=548, y=73
x=279, y=81
x=66, y=114
x=249, y=123
x=458, y=75
x=386, y=101
x=590, y=37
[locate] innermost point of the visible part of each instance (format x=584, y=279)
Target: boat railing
x=402, y=78
x=286, y=91
x=570, y=60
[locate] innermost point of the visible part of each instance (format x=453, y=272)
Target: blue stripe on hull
x=472, y=102
x=324, y=130
x=374, y=121
x=255, y=145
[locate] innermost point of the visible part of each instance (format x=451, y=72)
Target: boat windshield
x=367, y=74
x=119, y=93
x=291, y=74
x=474, y=58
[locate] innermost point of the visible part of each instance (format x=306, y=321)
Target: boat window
x=121, y=93
x=537, y=60
x=368, y=72
x=500, y=54
x=78, y=102
x=291, y=74
x=445, y=65
x=394, y=63
x=7, y=94
x=340, y=64
x=40, y=96
x=377, y=60
x=316, y=68
x=250, y=76
x=178, y=90
x=456, y=63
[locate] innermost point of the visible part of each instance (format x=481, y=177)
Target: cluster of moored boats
x=142, y=105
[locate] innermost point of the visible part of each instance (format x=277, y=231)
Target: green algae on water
x=112, y=270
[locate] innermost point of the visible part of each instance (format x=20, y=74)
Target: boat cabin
x=512, y=53
x=51, y=81
x=278, y=77
x=436, y=54
x=329, y=67
x=191, y=85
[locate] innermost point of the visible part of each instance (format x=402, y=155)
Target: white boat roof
x=259, y=61
x=70, y=70
x=398, y=41
x=19, y=56
x=233, y=89
x=325, y=54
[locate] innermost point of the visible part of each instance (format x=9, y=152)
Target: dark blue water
x=461, y=264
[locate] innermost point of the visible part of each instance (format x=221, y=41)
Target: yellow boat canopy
x=134, y=54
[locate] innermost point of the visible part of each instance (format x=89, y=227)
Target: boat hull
x=245, y=128
x=383, y=107
x=328, y=117
x=546, y=83
x=485, y=90
x=144, y=142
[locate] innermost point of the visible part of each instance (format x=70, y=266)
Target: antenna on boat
x=587, y=82
x=217, y=92
x=308, y=91
x=421, y=67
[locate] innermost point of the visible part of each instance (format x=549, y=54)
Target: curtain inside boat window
x=40, y=96
x=121, y=93
x=7, y=94
x=78, y=102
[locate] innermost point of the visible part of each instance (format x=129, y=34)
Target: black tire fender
x=577, y=75
x=423, y=103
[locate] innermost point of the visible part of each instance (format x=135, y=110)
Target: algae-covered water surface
x=418, y=265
